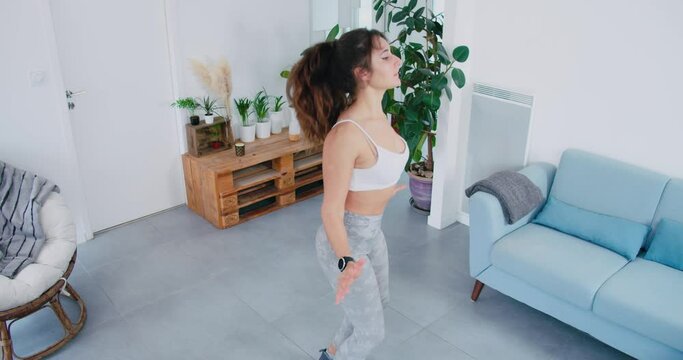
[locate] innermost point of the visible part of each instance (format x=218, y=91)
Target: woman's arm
x=339, y=156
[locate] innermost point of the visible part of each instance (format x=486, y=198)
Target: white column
x=453, y=127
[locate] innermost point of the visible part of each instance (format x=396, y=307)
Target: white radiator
x=499, y=133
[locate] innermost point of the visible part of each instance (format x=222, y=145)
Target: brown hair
x=321, y=84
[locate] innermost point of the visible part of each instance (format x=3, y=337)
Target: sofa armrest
x=487, y=223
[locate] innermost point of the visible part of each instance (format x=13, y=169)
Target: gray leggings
x=363, y=326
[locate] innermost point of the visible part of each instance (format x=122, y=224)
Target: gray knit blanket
x=22, y=194
x=517, y=195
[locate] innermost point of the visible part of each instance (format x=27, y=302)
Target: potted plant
x=261, y=109
x=215, y=133
x=248, y=129
x=209, y=106
x=425, y=72
x=190, y=105
x=277, y=117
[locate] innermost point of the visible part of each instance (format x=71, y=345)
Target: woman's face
x=384, y=66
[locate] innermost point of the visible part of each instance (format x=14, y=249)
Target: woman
x=336, y=89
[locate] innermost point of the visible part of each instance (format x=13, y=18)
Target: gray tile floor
x=171, y=286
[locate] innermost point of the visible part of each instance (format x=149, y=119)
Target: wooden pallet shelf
x=308, y=162
x=275, y=172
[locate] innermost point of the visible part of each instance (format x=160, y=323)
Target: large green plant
x=425, y=72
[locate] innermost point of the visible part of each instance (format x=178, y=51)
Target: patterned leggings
x=363, y=326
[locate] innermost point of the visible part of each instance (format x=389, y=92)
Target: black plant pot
x=194, y=120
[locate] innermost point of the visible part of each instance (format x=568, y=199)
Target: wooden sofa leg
x=6, y=341
x=478, y=285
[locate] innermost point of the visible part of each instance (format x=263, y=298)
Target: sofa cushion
x=667, y=245
x=645, y=297
x=608, y=186
x=625, y=237
x=53, y=258
x=560, y=264
x=670, y=206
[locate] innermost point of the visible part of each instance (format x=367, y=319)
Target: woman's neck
x=368, y=104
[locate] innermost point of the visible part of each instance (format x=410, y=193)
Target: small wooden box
x=200, y=137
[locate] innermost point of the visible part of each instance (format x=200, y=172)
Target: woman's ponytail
x=312, y=92
x=321, y=84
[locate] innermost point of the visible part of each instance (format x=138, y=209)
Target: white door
x=124, y=130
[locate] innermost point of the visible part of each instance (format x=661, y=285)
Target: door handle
x=70, y=94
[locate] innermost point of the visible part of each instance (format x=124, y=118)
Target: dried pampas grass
x=216, y=79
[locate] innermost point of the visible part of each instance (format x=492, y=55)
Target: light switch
x=37, y=77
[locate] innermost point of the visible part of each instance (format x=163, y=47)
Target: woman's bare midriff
x=370, y=202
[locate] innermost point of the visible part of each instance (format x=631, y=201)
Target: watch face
x=341, y=263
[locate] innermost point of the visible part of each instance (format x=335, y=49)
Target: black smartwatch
x=343, y=261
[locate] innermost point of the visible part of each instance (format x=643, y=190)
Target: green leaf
x=284, y=74
x=443, y=54
x=379, y=13
x=400, y=16
x=402, y=35
x=419, y=24
x=333, y=33
x=388, y=20
x=425, y=72
x=418, y=13
x=396, y=51
x=449, y=93
x=411, y=114
x=458, y=77
x=378, y=3
x=410, y=23
x=439, y=82
x=416, y=46
x=461, y=53
x=443, y=57
x=438, y=29
x=412, y=4
x=430, y=25
x=417, y=154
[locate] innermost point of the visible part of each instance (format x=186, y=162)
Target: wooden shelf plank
x=307, y=179
x=256, y=196
x=308, y=162
x=237, y=174
x=248, y=181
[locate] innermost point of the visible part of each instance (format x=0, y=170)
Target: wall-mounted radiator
x=499, y=133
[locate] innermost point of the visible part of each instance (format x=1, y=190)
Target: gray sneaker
x=324, y=355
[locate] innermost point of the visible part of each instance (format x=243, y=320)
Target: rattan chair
x=44, y=283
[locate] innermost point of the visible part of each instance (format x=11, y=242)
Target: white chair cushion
x=52, y=260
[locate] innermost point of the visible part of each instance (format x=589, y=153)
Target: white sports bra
x=384, y=173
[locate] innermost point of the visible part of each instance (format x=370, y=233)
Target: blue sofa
x=635, y=306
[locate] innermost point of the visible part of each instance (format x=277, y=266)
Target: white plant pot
x=263, y=130
x=287, y=116
x=294, y=128
x=247, y=133
x=208, y=118
x=277, y=119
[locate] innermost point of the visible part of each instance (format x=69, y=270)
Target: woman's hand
x=352, y=272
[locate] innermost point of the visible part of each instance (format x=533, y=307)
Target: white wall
x=606, y=75
x=34, y=132
x=259, y=38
